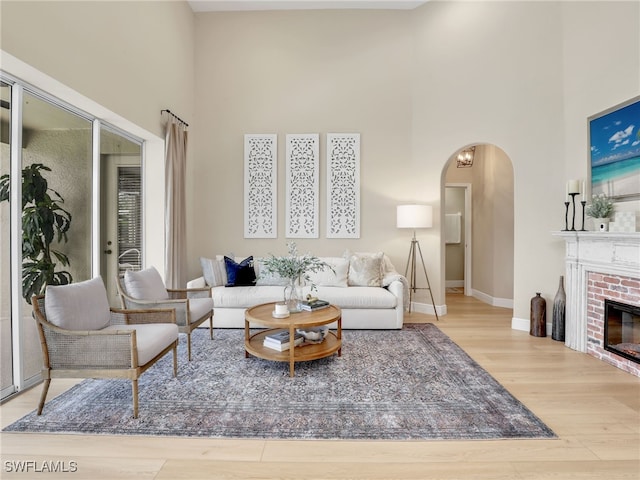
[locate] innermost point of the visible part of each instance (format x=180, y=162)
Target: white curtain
x=175, y=204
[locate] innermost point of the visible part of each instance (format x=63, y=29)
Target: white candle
x=281, y=309
x=583, y=191
x=573, y=186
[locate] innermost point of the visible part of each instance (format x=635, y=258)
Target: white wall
x=494, y=72
x=120, y=61
x=418, y=85
x=301, y=72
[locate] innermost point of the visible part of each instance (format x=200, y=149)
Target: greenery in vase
x=294, y=267
x=43, y=221
x=601, y=206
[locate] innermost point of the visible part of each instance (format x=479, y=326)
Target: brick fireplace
x=599, y=266
x=601, y=287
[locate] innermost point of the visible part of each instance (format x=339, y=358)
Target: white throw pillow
x=365, y=269
x=265, y=278
x=327, y=278
x=213, y=271
x=78, y=306
x=146, y=284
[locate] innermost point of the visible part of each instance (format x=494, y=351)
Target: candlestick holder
x=583, y=203
x=566, y=217
x=573, y=216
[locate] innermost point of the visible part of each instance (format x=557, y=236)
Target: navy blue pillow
x=240, y=274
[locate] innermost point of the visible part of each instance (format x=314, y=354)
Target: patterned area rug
x=413, y=383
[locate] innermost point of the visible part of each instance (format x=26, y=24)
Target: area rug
x=414, y=383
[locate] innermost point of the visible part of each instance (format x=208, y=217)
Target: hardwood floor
x=593, y=407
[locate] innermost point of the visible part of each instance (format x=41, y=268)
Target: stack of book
x=312, y=305
x=279, y=340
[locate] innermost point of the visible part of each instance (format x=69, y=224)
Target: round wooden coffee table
x=262, y=315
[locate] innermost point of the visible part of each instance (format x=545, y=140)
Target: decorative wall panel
x=260, y=186
x=343, y=185
x=302, y=186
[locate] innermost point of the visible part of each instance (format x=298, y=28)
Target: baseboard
x=454, y=283
x=524, y=325
x=493, y=301
x=428, y=308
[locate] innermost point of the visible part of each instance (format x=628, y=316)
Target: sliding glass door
x=6, y=360
x=54, y=143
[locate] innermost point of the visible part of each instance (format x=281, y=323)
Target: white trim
x=95, y=201
x=493, y=301
x=524, y=325
x=16, y=237
x=454, y=283
x=428, y=309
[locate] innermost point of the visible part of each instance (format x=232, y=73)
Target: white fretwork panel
x=260, y=186
x=303, y=185
x=343, y=185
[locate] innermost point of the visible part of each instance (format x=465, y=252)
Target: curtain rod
x=175, y=116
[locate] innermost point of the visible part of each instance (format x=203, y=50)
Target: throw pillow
x=146, y=284
x=365, y=269
x=265, y=278
x=240, y=274
x=327, y=278
x=78, y=306
x=214, y=271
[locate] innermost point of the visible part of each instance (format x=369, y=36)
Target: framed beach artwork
x=614, y=140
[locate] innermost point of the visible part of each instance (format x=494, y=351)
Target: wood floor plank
x=593, y=407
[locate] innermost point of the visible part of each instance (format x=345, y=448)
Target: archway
x=480, y=228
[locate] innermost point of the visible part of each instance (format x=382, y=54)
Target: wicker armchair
x=146, y=290
x=77, y=343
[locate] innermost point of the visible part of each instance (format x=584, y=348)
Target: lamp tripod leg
x=424, y=268
x=410, y=271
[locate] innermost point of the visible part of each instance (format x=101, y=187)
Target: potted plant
x=600, y=209
x=43, y=222
x=296, y=269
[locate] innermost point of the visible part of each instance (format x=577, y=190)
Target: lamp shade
x=414, y=216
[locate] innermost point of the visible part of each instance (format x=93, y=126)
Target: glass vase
x=293, y=295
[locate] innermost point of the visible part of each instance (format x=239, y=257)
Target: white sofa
x=363, y=307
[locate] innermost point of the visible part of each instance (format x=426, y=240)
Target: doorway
x=457, y=236
x=121, y=241
x=486, y=173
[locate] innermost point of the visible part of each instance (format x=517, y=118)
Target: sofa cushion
x=146, y=284
x=240, y=274
x=352, y=297
x=244, y=297
x=358, y=297
x=151, y=338
x=336, y=278
x=198, y=307
x=78, y=306
x=213, y=271
x=365, y=269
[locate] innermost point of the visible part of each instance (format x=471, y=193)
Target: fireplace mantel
x=613, y=253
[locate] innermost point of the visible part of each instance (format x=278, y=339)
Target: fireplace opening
x=622, y=329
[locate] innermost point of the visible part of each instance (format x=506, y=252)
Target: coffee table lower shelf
x=330, y=345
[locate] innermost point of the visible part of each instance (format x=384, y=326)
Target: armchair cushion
x=78, y=306
x=146, y=284
x=151, y=338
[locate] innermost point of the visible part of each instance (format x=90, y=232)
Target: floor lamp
x=416, y=216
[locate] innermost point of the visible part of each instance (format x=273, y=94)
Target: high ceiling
x=238, y=5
